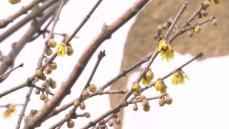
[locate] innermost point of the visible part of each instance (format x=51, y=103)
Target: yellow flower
x=215, y=22
x=160, y=86
x=146, y=80
x=165, y=50
x=14, y=1
x=216, y=1
x=136, y=89
x=178, y=77
x=62, y=49
x=10, y=109
x=197, y=29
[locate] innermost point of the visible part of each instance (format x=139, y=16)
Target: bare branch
x=21, y=11
x=36, y=12
x=17, y=47
x=79, y=67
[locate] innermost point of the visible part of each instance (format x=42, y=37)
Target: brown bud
x=48, y=70
x=70, y=50
x=70, y=124
x=162, y=102
x=82, y=106
x=85, y=93
x=53, y=65
x=48, y=52
x=42, y=96
x=87, y=115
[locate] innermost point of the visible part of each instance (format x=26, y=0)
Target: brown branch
x=42, y=31
x=21, y=11
x=5, y=75
x=137, y=100
x=27, y=99
x=42, y=90
x=59, y=34
x=6, y=105
x=99, y=59
x=124, y=72
x=85, y=19
x=17, y=47
x=4, y=93
x=190, y=27
x=180, y=12
x=82, y=62
x=36, y=12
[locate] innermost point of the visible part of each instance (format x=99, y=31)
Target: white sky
x=200, y=103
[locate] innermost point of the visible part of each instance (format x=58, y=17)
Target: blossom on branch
x=147, y=78
x=10, y=109
x=160, y=86
x=62, y=49
x=178, y=77
x=166, y=52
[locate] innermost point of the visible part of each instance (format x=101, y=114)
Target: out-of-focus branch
x=5, y=75
x=17, y=47
x=24, y=107
x=34, y=13
x=21, y=11
x=81, y=63
x=14, y=89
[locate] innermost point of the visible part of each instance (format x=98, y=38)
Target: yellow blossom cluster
x=10, y=109
x=147, y=78
x=178, y=77
x=136, y=89
x=160, y=86
x=165, y=50
x=14, y=1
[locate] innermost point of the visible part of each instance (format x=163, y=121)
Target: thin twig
x=124, y=72
x=3, y=76
x=27, y=99
x=36, y=12
x=56, y=33
x=187, y=28
x=6, y=105
x=4, y=93
x=180, y=12
x=85, y=20
x=35, y=25
x=99, y=59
